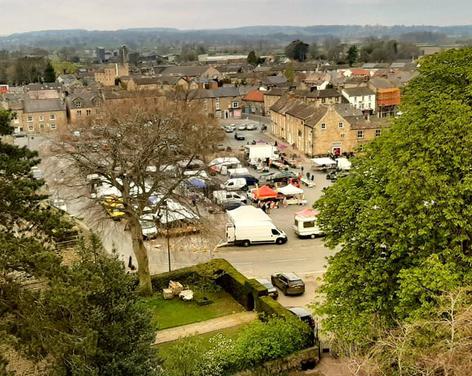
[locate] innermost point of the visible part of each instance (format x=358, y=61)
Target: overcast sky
x=28, y=15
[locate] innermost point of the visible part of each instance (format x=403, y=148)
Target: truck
x=249, y=225
x=260, y=152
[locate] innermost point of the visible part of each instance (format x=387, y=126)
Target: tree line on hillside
x=370, y=50
x=397, y=296
x=22, y=70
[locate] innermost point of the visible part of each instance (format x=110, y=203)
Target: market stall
x=292, y=195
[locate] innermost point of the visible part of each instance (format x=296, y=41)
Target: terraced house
x=324, y=129
x=82, y=105
x=39, y=115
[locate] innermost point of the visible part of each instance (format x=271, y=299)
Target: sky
x=31, y=15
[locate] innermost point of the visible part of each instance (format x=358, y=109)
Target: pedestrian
x=285, y=202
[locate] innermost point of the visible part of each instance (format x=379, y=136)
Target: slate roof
x=87, y=98
x=276, y=91
x=381, y=83
x=358, y=91
x=326, y=93
x=182, y=70
x=275, y=80
x=43, y=105
x=309, y=113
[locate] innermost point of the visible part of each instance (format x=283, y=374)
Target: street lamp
x=167, y=235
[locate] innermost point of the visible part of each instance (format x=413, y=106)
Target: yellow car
x=114, y=207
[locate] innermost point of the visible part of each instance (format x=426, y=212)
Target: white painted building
x=361, y=98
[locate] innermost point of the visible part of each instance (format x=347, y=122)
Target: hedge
x=247, y=292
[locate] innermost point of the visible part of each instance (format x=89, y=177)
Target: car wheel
x=246, y=243
x=312, y=236
x=279, y=241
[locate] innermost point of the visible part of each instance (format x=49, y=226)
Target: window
x=360, y=134
x=79, y=113
x=78, y=104
x=89, y=112
x=299, y=133
x=343, y=135
x=378, y=132
x=52, y=117
x=340, y=125
x=217, y=105
x=41, y=117
x=309, y=224
x=30, y=118
x=30, y=128
x=41, y=126
x=275, y=232
x=323, y=100
x=235, y=104
x=323, y=126
x=52, y=126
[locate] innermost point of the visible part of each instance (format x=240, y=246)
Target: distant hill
x=150, y=37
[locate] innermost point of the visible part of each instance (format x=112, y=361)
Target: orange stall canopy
x=264, y=192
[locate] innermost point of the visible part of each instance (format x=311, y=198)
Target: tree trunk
x=140, y=251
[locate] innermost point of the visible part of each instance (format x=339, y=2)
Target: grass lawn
x=164, y=348
x=175, y=312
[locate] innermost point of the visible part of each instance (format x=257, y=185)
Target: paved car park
x=306, y=257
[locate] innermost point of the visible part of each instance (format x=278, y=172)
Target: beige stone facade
x=40, y=116
x=108, y=75
x=324, y=129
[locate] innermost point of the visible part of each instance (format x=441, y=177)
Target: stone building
x=323, y=129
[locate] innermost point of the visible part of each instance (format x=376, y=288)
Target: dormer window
x=78, y=104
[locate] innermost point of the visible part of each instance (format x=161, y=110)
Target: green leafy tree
x=252, y=58
x=297, y=50
x=289, y=73
x=88, y=319
x=407, y=198
x=49, y=73
x=82, y=319
x=352, y=55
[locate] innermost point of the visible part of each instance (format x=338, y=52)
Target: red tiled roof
x=360, y=72
x=254, y=96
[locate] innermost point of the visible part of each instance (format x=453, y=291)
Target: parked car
x=222, y=196
x=335, y=175
x=304, y=315
x=60, y=204
x=251, y=127
x=272, y=291
x=36, y=172
x=232, y=204
x=148, y=226
x=236, y=184
x=229, y=129
x=250, y=180
x=242, y=127
x=288, y=283
x=239, y=136
x=114, y=207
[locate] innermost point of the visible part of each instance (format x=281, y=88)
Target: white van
x=235, y=184
x=257, y=232
x=220, y=197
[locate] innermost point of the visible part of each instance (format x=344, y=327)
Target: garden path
x=228, y=321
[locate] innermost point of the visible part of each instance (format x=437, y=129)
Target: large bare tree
x=142, y=151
